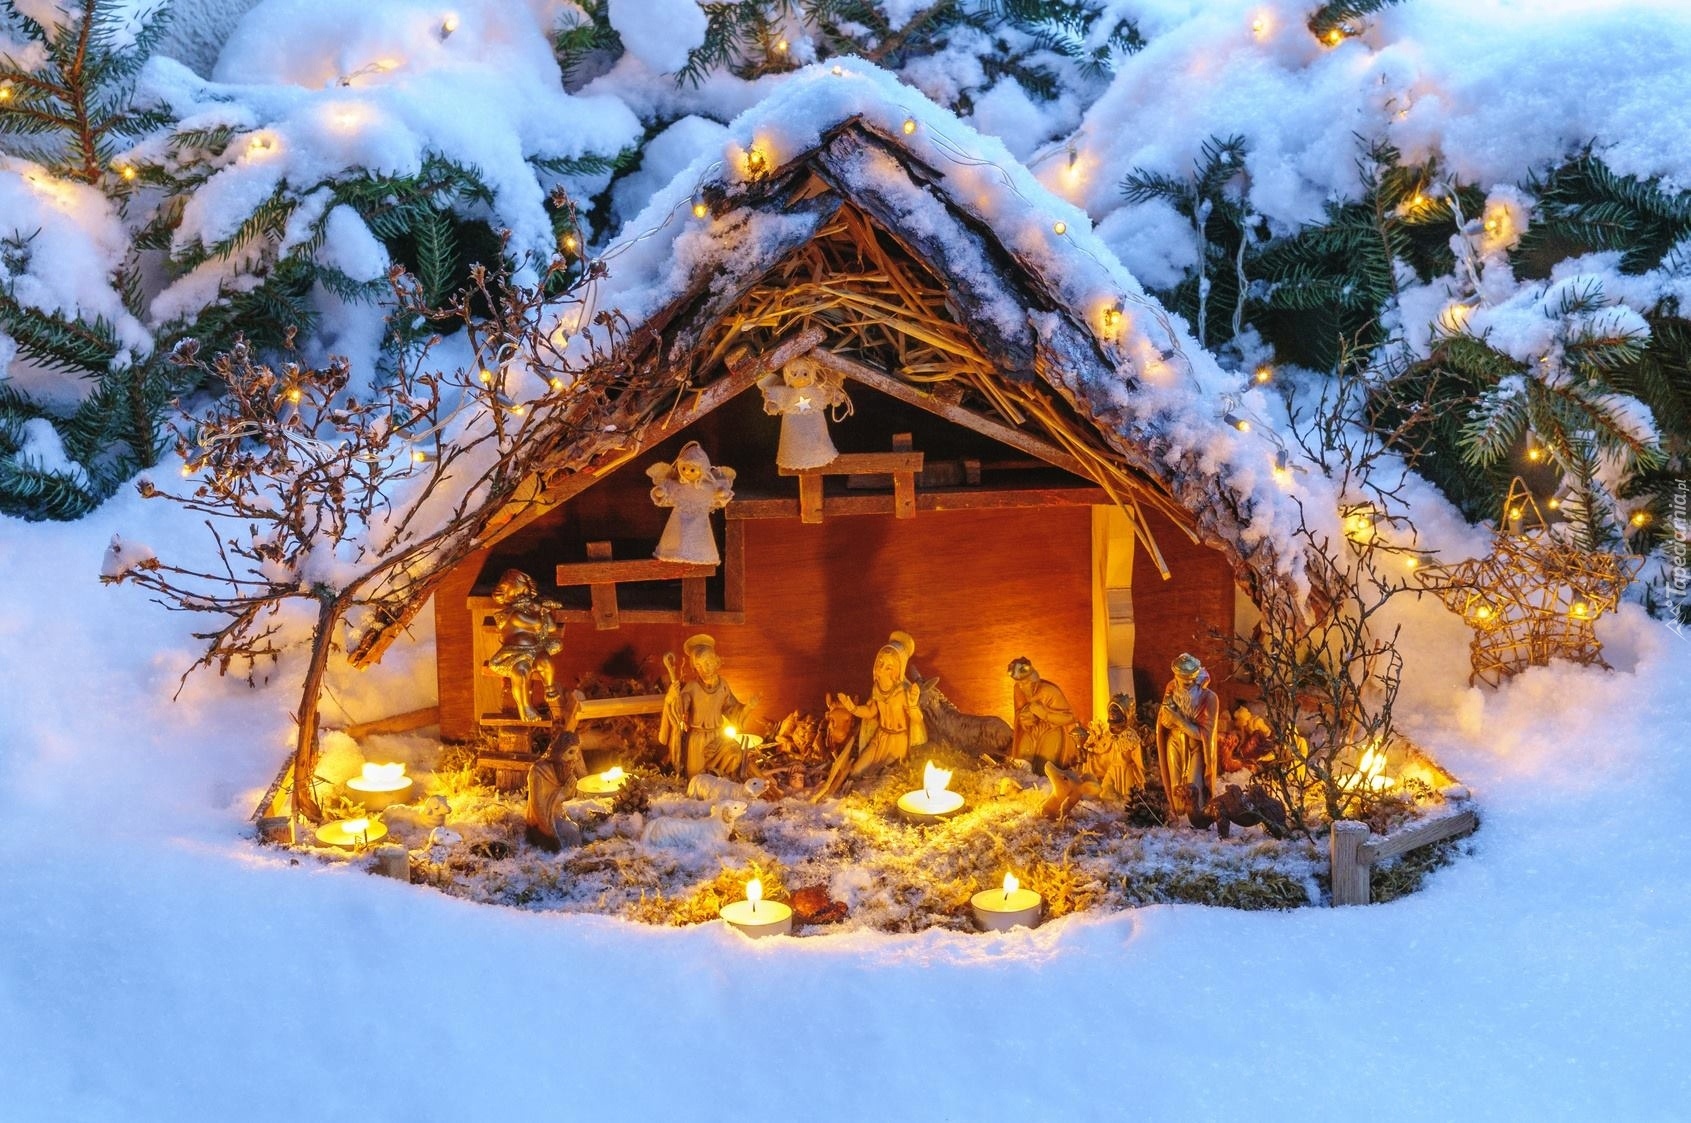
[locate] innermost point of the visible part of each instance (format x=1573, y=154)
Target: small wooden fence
x=1354, y=851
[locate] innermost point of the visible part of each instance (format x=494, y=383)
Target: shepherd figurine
x=697, y=709
x=694, y=488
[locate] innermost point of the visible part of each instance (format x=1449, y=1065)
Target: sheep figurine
x=694, y=834
x=713, y=789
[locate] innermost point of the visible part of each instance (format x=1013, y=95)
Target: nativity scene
x=939, y=451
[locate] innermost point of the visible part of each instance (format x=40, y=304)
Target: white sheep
x=694, y=834
x=711, y=788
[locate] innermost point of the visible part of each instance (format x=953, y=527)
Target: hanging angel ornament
x=694, y=488
x=803, y=393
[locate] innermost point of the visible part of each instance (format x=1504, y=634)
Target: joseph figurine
x=1044, y=719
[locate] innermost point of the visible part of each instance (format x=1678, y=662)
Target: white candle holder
x=756, y=917
x=352, y=834
x=759, y=918
x=933, y=801
x=999, y=910
x=380, y=786
x=930, y=807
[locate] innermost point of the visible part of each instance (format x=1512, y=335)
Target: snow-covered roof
x=1024, y=270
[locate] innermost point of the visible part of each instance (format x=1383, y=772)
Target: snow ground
x=156, y=966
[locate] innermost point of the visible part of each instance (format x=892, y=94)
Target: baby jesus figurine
x=695, y=488
x=803, y=393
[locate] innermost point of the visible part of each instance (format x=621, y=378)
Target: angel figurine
x=803, y=393
x=694, y=488
x=529, y=637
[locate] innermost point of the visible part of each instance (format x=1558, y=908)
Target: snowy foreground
x=154, y=965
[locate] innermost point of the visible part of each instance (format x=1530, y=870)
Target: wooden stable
x=991, y=495
x=981, y=552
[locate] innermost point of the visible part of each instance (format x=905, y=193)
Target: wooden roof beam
x=949, y=411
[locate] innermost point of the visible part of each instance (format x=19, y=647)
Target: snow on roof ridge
x=1164, y=378
x=978, y=174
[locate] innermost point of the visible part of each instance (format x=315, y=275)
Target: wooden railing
x=1354, y=851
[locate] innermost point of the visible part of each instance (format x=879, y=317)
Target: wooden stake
x=392, y=861
x=810, y=498
x=1349, y=871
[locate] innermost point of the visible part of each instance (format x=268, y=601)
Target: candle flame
x=383, y=775
x=1010, y=885
x=613, y=774
x=355, y=827
x=754, y=892
x=732, y=733
x=934, y=779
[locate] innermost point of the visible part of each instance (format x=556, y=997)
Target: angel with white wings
x=694, y=488
x=803, y=393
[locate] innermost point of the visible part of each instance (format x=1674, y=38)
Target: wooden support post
x=734, y=566
x=810, y=498
x=903, y=483
x=604, y=595
x=692, y=600
x=1349, y=867
x=392, y=861
x=275, y=828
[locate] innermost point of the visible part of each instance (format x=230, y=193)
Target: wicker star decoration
x=1534, y=597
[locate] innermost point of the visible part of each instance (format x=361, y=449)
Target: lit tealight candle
x=755, y=916
x=934, y=801
x=607, y=782
x=352, y=834
x=381, y=785
x=999, y=910
x=746, y=741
